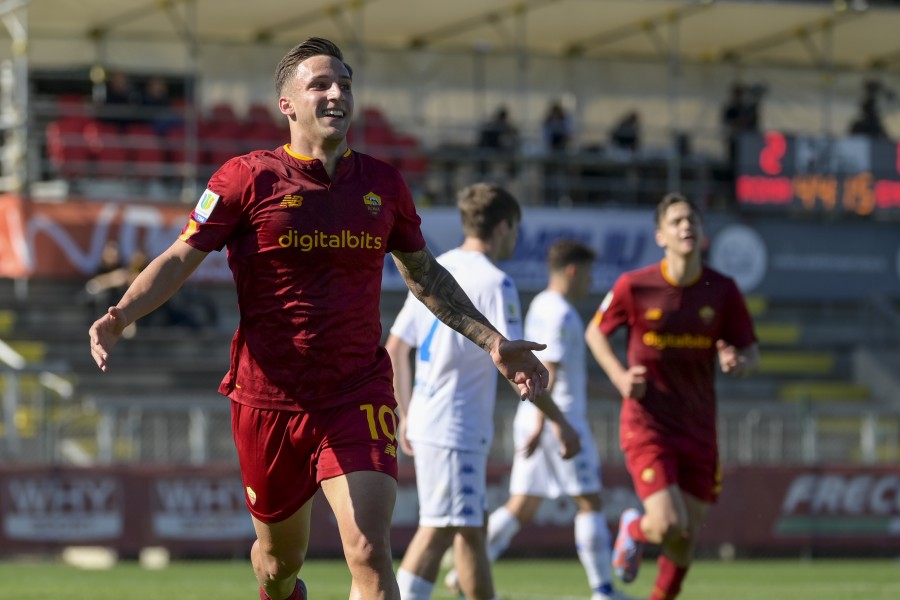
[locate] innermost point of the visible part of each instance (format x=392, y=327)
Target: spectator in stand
x=626, y=134
x=157, y=106
x=868, y=121
x=121, y=99
x=112, y=278
x=740, y=115
x=498, y=141
x=557, y=134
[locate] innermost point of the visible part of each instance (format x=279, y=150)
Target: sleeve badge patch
x=205, y=205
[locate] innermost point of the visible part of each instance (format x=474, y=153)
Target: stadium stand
x=142, y=410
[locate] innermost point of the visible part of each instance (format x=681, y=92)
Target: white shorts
x=452, y=486
x=545, y=473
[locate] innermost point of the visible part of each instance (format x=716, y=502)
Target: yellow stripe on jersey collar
x=287, y=148
x=664, y=268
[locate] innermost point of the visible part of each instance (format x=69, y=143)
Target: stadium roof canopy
x=856, y=35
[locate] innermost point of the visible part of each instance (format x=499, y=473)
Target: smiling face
x=318, y=102
x=679, y=230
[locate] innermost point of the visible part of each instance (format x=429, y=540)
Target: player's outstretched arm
x=153, y=286
x=433, y=285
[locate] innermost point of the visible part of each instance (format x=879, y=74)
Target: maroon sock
x=668, y=580
x=297, y=594
x=635, y=531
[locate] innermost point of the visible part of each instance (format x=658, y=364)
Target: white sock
x=592, y=542
x=413, y=587
x=502, y=527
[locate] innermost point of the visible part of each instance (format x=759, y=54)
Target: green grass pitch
x=515, y=580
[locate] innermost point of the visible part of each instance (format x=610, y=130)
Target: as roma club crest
x=373, y=203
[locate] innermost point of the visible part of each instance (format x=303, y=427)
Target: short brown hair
x=314, y=46
x=483, y=206
x=569, y=252
x=670, y=199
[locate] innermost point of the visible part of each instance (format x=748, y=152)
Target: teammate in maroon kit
x=680, y=315
x=307, y=227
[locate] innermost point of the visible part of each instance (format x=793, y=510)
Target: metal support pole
x=198, y=434
x=868, y=438
x=673, y=179
x=17, y=160
x=11, y=401
x=192, y=106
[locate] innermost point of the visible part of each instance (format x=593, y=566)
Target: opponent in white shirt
x=538, y=470
x=455, y=381
x=446, y=417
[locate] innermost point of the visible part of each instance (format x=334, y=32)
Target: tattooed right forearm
x=436, y=288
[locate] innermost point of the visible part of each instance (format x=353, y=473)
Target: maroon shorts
x=284, y=456
x=655, y=466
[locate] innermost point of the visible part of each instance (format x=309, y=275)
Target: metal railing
x=36, y=400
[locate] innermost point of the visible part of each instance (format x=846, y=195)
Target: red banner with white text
x=201, y=512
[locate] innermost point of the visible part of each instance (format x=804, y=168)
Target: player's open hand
x=516, y=361
x=105, y=333
x=633, y=383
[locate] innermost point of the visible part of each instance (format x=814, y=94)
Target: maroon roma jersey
x=672, y=331
x=307, y=254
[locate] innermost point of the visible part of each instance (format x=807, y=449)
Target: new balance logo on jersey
x=391, y=450
x=292, y=201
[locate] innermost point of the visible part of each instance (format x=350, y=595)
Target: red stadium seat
x=219, y=142
x=73, y=105
x=109, y=148
x=260, y=131
x=146, y=150
x=67, y=147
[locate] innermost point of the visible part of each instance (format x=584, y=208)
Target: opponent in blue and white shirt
x=539, y=470
x=455, y=382
x=447, y=416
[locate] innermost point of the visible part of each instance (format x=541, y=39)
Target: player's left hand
x=105, y=333
x=568, y=439
x=730, y=359
x=516, y=361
